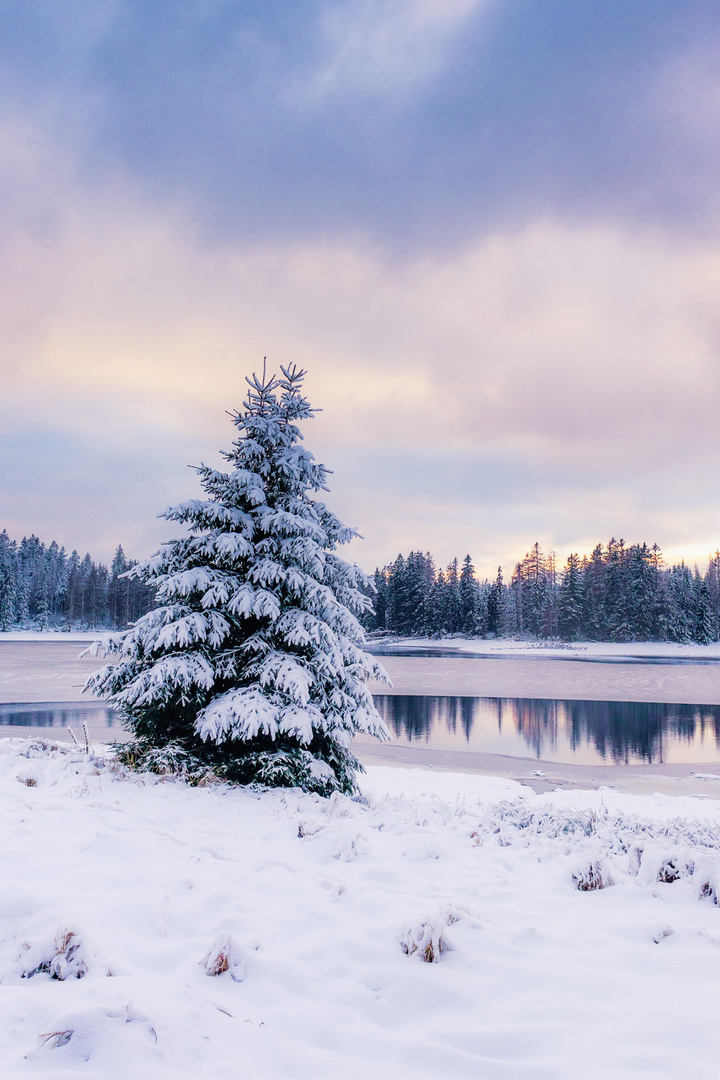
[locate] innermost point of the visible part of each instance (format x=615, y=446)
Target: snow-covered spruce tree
x=252, y=663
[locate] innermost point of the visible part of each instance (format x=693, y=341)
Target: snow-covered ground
x=316, y=908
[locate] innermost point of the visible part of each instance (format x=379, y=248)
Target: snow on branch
x=238, y=714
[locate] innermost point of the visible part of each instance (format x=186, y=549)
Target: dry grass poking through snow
x=549, y=925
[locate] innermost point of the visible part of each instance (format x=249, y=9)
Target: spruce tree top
x=253, y=659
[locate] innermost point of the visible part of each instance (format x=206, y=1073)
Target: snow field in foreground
x=142, y=886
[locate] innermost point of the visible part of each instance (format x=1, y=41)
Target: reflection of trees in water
x=708, y=719
x=636, y=729
x=412, y=717
x=620, y=730
x=14, y=716
x=536, y=720
x=407, y=715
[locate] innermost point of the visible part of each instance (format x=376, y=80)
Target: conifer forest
x=42, y=587
x=618, y=593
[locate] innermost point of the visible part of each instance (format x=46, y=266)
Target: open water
x=581, y=732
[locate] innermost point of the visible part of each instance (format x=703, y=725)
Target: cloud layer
x=488, y=229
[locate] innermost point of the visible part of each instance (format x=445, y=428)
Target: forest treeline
x=42, y=586
x=618, y=593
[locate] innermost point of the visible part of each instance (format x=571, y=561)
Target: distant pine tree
x=469, y=593
x=617, y=599
x=705, y=628
x=437, y=607
x=415, y=582
x=571, y=600
x=496, y=604
x=712, y=580
x=532, y=577
x=681, y=610
x=595, y=621
x=8, y=581
x=453, y=602
x=376, y=617
x=423, y=622
x=118, y=596
x=641, y=592
x=43, y=612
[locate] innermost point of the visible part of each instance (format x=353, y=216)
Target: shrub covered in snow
x=225, y=955
x=252, y=663
x=427, y=940
x=592, y=876
x=61, y=957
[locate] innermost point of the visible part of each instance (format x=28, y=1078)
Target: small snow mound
x=63, y=959
x=658, y=864
x=706, y=879
x=593, y=876
x=661, y=932
x=35, y=748
x=99, y=1034
x=427, y=939
x=347, y=848
x=707, y=890
x=224, y=956
x=673, y=869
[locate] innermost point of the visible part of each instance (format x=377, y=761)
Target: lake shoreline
x=701, y=779
x=667, y=779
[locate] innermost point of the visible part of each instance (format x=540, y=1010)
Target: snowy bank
x=223, y=932
x=612, y=651
x=49, y=637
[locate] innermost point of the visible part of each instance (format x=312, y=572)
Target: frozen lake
x=552, y=674
x=40, y=671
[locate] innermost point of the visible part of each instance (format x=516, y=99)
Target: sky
x=489, y=229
